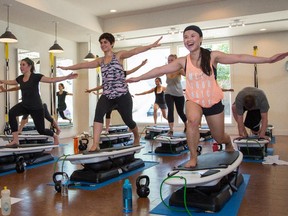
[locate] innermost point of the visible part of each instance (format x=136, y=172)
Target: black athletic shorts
x=215, y=109
x=253, y=119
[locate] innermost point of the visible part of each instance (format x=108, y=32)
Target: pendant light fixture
x=56, y=48
x=89, y=56
x=8, y=36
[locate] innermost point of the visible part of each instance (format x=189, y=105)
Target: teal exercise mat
x=95, y=186
x=28, y=167
x=231, y=208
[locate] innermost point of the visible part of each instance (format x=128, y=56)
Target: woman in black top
x=61, y=95
x=31, y=101
x=159, y=99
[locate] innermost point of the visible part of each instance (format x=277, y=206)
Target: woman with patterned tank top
x=115, y=89
x=203, y=94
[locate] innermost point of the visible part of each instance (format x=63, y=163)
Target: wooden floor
x=266, y=194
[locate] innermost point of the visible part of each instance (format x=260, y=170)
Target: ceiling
x=78, y=19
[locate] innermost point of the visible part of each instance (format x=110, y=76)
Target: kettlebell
x=199, y=150
x=57, y=183
x=83, y=145
x=20, y=164
x=143, y=189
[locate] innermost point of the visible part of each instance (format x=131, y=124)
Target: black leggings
x=124, y=107
x=46, y=114
x=61, y=113
x=36, y=115
x=179, y=103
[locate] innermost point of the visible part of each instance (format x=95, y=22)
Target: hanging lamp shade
x=8, y=36
x=89, y=56
x=56, y=48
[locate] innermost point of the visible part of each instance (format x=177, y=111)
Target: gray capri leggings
x=124, y=107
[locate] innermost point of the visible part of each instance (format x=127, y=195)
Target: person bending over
x=255, y=102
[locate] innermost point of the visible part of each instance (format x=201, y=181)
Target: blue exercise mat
x=31, y=166
x=95, y=186
x=231, y=208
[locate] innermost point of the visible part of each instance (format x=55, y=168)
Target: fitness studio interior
x=147, y=177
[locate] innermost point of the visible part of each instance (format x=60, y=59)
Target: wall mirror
x=64, y=95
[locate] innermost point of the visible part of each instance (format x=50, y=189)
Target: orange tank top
x=201, y=88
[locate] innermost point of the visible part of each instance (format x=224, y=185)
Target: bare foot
x=229, y=147
x=136, y=141
x=94, y=149
x=191, y=163
x=56, y=139
x=13, y=143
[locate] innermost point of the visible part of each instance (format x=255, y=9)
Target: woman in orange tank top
x=202, y=91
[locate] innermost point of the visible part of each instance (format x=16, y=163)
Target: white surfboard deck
x=26, y=137
x=118, y=127
x=251, y=142
x=194, y=178
x=170, y=139
x=157, y=128
x=102, y=155
x=23, y=150
x=115, y=136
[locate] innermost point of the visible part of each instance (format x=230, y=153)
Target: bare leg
x=107, y=124
x=15, y=139
x=22, y=124
x=56, y=139
x=194, y=114
x=155, y=113
x=97, y=128
x=216, y=125
x=164, y=113
x=136, y=136
x=58, y=130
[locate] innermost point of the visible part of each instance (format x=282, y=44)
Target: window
x=143, y=105
x=223, y=74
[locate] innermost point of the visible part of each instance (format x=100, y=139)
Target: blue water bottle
x=127, y=196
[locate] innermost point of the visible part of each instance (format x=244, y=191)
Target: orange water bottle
x=76, y=149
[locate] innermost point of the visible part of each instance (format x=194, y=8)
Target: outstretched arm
x=94, y=89
x=223, y=58
x=136, y=68
x=83, y=65
x=128, y=53
x=159, y=71
x=58, y=79
x=9, y=82
x=146, y=92
x=2, y=89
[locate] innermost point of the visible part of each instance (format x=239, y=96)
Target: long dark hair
x=205, y=61
x=30, y=63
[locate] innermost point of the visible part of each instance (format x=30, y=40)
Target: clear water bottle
x=127, y=196
x=5, y=202
x=64, y=184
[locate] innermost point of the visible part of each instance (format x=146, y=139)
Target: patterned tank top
x=113, y=79
x=201, y=88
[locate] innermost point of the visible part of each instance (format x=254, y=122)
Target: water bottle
x=64, y=184
x=5, y=202
x=127, y=196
